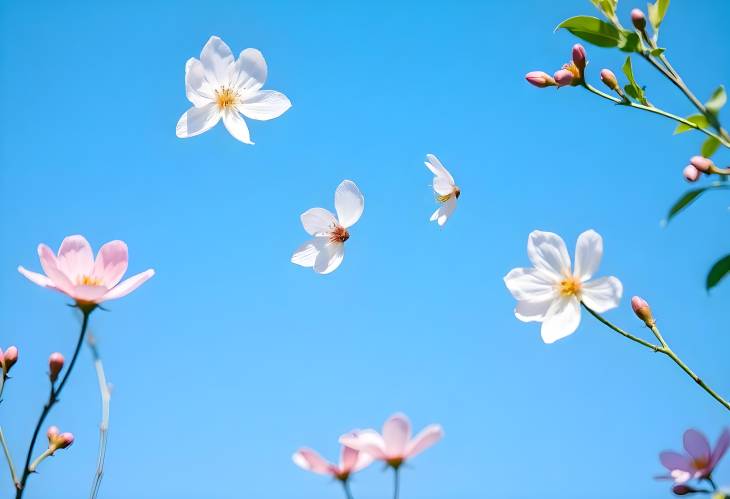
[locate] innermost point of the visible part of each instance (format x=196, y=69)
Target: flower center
x=87, y=280
x=455, y=193
x=700, y=463
x=225, y=98
x=570, y=286
x=339, y=234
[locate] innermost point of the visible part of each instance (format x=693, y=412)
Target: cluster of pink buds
x=58, y=440
x=696, y=167
x=570, y=74
x=8, y=360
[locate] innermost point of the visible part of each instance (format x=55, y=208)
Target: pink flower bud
x=638, y=18
x=691, y=174
x=563, y=77
x=682, y=490
x=52, y=432
x=609, y=79
x=55, y=364
x=57, y=440
x=9, y=358
x=642, y=310
x=540, y=79
x=701, y=163
x=579, y=57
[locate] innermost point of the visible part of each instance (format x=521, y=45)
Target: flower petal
x=306, y=254
x=438, y=169
x=248, y=74
x=318, y=221
x=349, y=203
x=588, y=253
x=723, y=442
x=697, y=445
x=547, y=251
x=237, y=127
x=602, y=294
x=675, y=461
x=36, y=278
x=443, y=213
x=530, y=284
x=348, y=458
x=264, y=105
x=197, y=120
x=442, y=186
x=197, y=88
x=561, y=320
x=309, y=460
x=533, y=310
x=75, y=257
x=128, y=285
x=363, y=461
x=111, y=263
x=50, y=267
x=329, y=258
x=368, y=441
x=396, y=434
x=217, y=60
x=425, y=439
x=93, y=294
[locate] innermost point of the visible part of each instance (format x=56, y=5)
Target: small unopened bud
x=55, y=364
x=683, y=490
x=58, y=440
x=691, y=173
x=579, y=57
x=563, y=77
x=540, y=79
x=609, y=79
x=638, y=18
x=701, y=163
x=9, y=358
x=642, y=310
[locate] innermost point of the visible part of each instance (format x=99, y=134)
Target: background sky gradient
x=231, y=357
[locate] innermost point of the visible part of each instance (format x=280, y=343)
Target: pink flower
x=563, y=77
x=395, y=445
x=579, y=57
x=351, y=461
x=699, y=461
x=75, y=273
x=691, y=174
x=701, y=163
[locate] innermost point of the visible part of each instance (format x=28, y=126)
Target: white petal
x=197, y=120
x=306, y=254
x=349, y=203
x=602, y=294
x=197, y=88
x=442, y=186
x=37, y=278
x=588, y=253
x=264, y=105
x=248, y=74
x=438, y=169
x=547, y=251
x=318, y=221
x=444, y=212
x=533, y=310
x=217, y=60
x=562, y=319
x=236, y=126
x=329, y=258
x=530, y=284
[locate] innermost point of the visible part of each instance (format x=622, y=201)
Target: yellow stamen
x=87, y=280
x=339, y=234
x=570, y=286
x=225, y=98
x=454, y=193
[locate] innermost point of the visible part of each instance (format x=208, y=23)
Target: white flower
x=325, y=251
x=551, y=293
x=221, y=87
x=445, y=188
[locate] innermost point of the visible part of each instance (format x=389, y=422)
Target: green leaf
x=718, y=99
x=600, y=33
x=697, y=119
x=709, y=147
x=633, y=88
x=719, y=270
x=690, y=196
x=608, y=7
x=657, y=51
x=657, y=11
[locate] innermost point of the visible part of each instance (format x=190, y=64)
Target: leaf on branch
x=633, y=88
x=600, y=33
x=719, y=270
x=691, y=196
x=657, y=51
x=697, y=119
x=717, y=100
x=657, y=11
x=607, y=7
x=709, y=147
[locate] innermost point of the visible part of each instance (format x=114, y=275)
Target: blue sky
x=230, y=358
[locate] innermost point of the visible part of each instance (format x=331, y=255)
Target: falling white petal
x=442, y=214
x=197, y=120
x=329, y=258
x=442, y=186
x=438, y=169
x=349, y=203
x=306, y=254
x=318, y=221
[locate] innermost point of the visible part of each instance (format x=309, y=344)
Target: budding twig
x=9, y=459
x=104, y=425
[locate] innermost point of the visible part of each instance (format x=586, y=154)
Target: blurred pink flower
x=75, y=273
x=395, y=445
x=700, y=459
x=351, y=461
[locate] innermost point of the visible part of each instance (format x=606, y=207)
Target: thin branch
x=105, y=393
x=6, y=451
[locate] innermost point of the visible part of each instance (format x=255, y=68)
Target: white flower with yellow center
x=445, y=188
x=223, y=88
x=551, y=292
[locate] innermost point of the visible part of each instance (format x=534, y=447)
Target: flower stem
x=346, y=487
x=396, y=483
x=663, y=348
x=13, y=474
x=34, y=465
x=52, y=400
x=104, y=425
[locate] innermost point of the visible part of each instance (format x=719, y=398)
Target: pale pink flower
x=351, y=461
x=691, y=173
x=699, y=460
x=75, y=273
x=540, y=79
x=394, y=445
x=563, y=77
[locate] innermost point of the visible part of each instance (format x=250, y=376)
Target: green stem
x=663, y=348
x=34, y=465
x=13, y=474
x=52, y=400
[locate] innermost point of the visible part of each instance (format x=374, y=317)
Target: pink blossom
x=579, y=57
x=540, y=79
x=699, y=460
x=691, y=174
x=351, y=461
x=75, y=273
x=563, y=77
x=58, y=440
x=8, y=359
x=701, y=163
x=395, y=445
x=55, y=364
